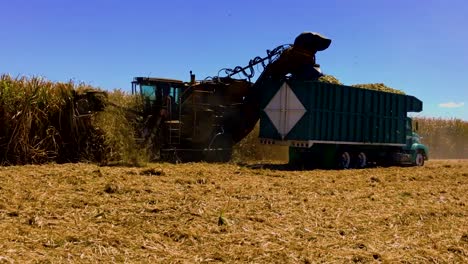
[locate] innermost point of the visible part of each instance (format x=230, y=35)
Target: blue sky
x=420, y=47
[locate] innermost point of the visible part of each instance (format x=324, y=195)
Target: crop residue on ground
x=233, y=213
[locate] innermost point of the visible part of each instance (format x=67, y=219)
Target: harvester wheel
x=220, y=155
x=222, y=149
x=225, y=155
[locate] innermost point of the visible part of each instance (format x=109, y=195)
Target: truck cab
x=418, y=151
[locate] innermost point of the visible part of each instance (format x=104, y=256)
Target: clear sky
x=418, y=46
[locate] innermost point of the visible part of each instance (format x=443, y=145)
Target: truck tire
x=419, y=160
x=360, y=160
x=344, y=160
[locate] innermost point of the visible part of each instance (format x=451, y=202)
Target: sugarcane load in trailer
x=323, y=124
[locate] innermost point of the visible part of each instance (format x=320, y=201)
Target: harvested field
x=233, y=213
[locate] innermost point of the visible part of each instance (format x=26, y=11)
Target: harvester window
x=174, y=93
x=148, y=92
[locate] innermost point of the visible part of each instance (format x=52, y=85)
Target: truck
x=328, y=125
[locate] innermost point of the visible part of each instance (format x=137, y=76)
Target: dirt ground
x=234, y=213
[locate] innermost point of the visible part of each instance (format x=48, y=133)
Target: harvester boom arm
x=297, y=60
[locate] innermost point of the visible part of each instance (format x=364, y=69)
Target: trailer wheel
x=344, y=160
x=361, y=160
x=419, y=160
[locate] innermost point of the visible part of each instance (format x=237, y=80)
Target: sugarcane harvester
x=203, y=120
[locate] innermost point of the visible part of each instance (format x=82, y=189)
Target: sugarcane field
x=203, y=132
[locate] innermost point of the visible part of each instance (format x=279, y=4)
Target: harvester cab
x=159, y=95
x=161, y=111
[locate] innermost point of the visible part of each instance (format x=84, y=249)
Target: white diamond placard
x=285, y=110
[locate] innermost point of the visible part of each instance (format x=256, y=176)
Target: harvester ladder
x=174, y=125
x=174, y=128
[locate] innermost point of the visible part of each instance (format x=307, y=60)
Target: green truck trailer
x=331, y=125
